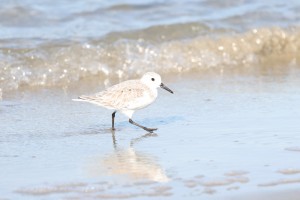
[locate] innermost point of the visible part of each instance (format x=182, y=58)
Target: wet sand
x=219, y=137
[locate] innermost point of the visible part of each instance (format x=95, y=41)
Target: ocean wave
x=127, y=55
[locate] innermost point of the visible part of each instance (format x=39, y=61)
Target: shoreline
x=227, y=142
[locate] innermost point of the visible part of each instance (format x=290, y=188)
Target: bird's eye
x=152, y=79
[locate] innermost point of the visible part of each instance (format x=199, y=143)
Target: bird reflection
x=129, y=162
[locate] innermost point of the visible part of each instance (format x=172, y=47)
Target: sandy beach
x=230, y=131
x=230, y=139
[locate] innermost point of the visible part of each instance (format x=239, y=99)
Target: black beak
x=166, y=88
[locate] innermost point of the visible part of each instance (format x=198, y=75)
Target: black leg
x=143, y=127
x=113, y=120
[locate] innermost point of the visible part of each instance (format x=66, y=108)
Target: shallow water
x=230, y=130
x=234, y=137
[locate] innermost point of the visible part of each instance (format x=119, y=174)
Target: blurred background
x=230, y=131
x=50, y=43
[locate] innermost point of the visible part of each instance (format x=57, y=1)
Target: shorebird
x=128, y=97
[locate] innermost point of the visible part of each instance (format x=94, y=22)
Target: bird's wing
x=118, y=96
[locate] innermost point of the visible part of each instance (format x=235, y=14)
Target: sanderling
x=128, y=96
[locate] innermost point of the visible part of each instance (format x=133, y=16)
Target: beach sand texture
x=229, y=131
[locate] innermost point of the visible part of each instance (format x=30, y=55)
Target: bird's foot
x=150, y=129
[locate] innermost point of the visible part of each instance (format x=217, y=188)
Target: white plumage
x=128, y=96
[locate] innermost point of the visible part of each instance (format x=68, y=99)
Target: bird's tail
x=92, y=100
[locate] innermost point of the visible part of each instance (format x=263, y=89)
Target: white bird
x=128, y=96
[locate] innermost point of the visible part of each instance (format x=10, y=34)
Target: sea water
x=229, y=131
